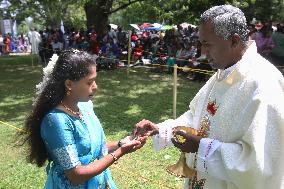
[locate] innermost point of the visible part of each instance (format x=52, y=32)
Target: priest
x=240, y=111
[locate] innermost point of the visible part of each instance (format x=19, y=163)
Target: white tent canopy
x=185, y=25
x=135, y=26
x=113, y=26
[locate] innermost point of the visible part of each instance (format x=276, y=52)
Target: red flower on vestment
x=212, y=107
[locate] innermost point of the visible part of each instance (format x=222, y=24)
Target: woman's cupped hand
x=131, y=143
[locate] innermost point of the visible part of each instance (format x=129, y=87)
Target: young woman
x=63, y=128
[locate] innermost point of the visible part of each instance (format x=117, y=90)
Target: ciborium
x=180, y=169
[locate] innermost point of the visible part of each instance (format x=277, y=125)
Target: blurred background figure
x=34, y=39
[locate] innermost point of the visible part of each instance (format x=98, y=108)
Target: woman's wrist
x=114, y=157
x=118, y=153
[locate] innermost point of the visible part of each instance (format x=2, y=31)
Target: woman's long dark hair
x=71, y=64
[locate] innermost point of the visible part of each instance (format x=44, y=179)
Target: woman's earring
x=68, y=93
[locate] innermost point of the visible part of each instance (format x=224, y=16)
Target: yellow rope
x=12, y=126
x=208, y=72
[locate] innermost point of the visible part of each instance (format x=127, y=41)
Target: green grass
x=121, y=100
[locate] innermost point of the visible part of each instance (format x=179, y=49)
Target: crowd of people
x=179, y=45
x=9, y=44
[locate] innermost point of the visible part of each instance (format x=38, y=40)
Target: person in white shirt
x=34, y=39
x=240, y=108
x=1, y=44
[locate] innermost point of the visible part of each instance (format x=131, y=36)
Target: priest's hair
x=227, y=20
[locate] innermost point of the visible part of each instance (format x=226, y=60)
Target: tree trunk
x=97, y=13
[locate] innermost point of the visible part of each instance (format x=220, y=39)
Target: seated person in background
x=83, y=44
x=160, y=58
x=252, y=32
x=201, y=64
x=22, y=44
x=264, y=42
x=185, y=55
x=134, y=37
x=137, y=52
x=94, y=46
x=170, y=63
x=109, y=55
x=7, y=42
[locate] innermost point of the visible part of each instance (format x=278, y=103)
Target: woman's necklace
x=78, y=113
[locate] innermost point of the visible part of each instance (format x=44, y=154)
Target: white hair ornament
x=46, y=76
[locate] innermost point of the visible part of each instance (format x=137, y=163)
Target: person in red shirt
x=94, y=44
x=137, y=52
x=6, y=42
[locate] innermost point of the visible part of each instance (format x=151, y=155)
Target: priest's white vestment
x=243, y=106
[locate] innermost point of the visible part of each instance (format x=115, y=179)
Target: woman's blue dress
x=70, y=142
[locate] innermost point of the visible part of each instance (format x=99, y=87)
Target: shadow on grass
x=17, y=85
x=122, y=100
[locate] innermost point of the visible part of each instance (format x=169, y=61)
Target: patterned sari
x=70, y=142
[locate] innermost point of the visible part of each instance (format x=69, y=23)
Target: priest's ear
x=236, y=40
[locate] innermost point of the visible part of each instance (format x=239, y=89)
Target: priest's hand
x=189, y=143
x=145, y=128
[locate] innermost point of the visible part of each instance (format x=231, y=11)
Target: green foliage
x=48, y=12
x=22, y=28
x=136, y=13
x=75, y=17
x=164, y=11
x=178, y=11
x=120, y=102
